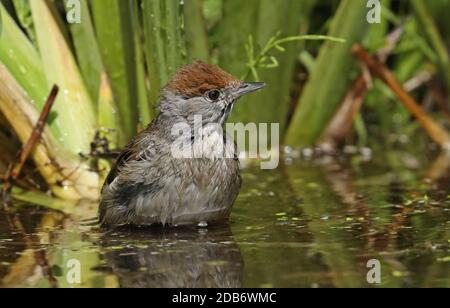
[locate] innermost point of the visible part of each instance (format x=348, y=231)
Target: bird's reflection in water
x=186, y=258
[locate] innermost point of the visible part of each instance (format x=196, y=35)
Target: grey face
x=214, y=106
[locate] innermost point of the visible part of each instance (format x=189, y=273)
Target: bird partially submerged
x=149, y=184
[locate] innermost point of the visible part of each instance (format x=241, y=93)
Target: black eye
x=214, y=95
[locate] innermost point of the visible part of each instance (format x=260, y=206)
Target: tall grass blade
x=431, y=30
x=154, y=47
x=174, y=42
x=21, y=59
x=146, y=111
x=330, y=79
x=112, y=19
x=197, y=45
x=87, y=51
x=74, y=109
x=23, y=11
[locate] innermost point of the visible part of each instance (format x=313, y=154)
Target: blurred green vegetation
x=317, y=221
x=112, y=65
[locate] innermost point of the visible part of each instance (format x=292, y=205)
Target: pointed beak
x=248, y=87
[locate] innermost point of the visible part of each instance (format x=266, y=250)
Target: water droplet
x=202, y=224
x=307, y=153
x=366, y=153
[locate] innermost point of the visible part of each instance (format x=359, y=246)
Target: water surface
x=309, y=223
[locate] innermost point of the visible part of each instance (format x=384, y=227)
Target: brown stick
x=16, y=167
x=441, y=100
x=435, y=131
x=342, y=121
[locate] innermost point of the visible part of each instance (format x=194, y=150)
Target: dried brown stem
x=434, y=130
x=24, y=153
x=417, y=81
x=439, y=168
x=342, y=121
x=441, y=100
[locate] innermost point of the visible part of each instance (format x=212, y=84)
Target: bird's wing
x=120, y=184
x=133, y=152
x=127, y=155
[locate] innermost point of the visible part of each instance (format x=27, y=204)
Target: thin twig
x=417, y=81
x=435, y=131
x=16, y=167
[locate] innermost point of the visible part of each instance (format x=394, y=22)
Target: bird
x=150, y=185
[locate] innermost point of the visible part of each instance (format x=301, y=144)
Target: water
x=310, y=223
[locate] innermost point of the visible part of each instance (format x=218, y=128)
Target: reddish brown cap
x=199, y=77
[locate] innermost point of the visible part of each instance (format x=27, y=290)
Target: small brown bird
x=150, y=185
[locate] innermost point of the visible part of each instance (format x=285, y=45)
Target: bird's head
x=201, y=89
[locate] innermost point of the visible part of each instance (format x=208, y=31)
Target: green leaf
x=22, y=60
x=113, y=23
x=75, y=113
x=331, y=76
x=23, y=11
x=87, y=51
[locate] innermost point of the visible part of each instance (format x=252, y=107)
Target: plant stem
x=146, y=112
x=87, y=51
x=328, y=83
x=16, y=167
x=114, y=28
x=154, y=47
x=195, y=29
x=435, y=131
x=174, y=49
